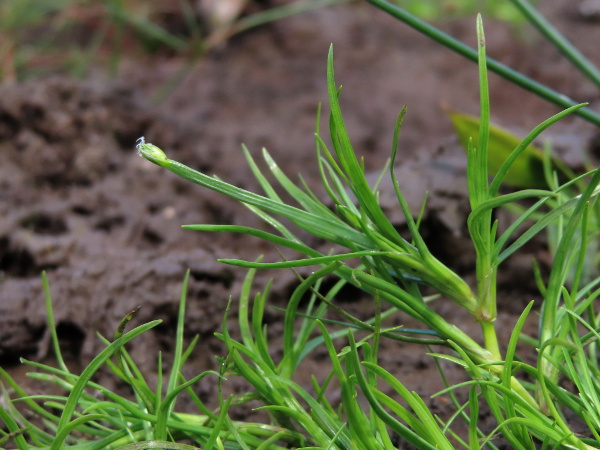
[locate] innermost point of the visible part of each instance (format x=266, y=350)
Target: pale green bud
x=151, y=152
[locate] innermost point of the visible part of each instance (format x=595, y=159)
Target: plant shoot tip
x=150, y=152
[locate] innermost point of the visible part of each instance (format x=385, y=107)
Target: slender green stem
x=509, y=74
x=490, y=339
x=481, y=229
x=52, y=324
x=559, y=41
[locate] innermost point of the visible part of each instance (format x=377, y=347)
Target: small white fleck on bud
x=140, y=141
x=150, y=152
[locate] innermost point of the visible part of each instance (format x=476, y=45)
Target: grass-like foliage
x=535, y=406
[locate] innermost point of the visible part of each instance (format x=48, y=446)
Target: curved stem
x=505, y=72
x=576, y=58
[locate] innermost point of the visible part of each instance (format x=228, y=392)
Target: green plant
x=531, y=168
x=392, y=269
x=90, y=416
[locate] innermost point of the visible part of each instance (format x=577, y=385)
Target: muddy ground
x=76, y=200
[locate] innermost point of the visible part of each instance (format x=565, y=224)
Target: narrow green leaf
x=350, y=164
x=177, y=357
x=290, y=348
x=481, y=152
x=300, y=263
x=87, y=374
x=419, y=433
x=51, y=323
x=324, y=228
x=305, y=200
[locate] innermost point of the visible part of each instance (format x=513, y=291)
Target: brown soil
x=105, y=224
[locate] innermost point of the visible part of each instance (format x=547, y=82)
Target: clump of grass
x=90, y=416
x=393, y=268
x=393, y=271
